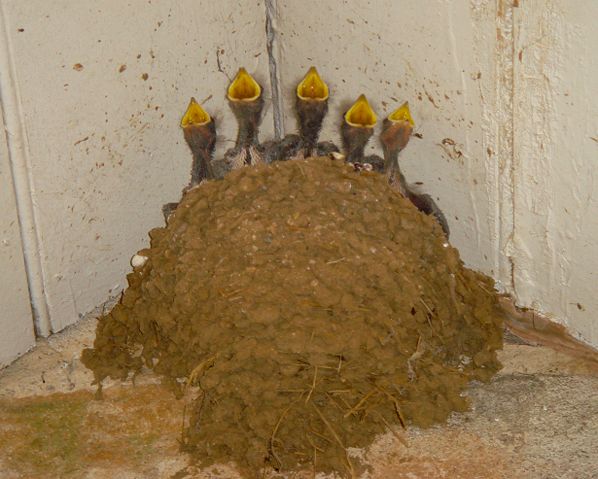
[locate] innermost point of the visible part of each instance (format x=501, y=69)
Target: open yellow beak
x=361, y=114
x=195, y=115
x=402, y=114
x=312, y=87
x=244, y=87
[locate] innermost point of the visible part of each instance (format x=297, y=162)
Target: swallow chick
x=245, y=99
x=356, y=130
x=311, y=106
x=396, y=132
x=199, y=130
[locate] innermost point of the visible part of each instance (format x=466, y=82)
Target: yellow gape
x=244, y=87
x=312, y=87
x=195, y=115
x=402, y=114
x=361, y=114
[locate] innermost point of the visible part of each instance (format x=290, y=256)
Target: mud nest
x=301, y=308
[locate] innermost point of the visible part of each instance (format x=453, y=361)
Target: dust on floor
x=538, y=418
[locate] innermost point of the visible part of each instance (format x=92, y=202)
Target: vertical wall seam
x=513, y=191
x=505, y=106
x=272, y=45
x=20, y=167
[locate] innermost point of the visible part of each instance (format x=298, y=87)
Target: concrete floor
x=538, y=418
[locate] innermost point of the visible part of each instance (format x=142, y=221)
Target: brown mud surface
x=301, y=309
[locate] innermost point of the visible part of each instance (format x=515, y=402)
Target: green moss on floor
x=63, y=435
x=45, y=433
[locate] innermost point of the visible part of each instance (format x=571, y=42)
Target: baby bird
x=246, y=101
x=311, y=105
x=356, y=130
x=396, y=131
x=199, y=130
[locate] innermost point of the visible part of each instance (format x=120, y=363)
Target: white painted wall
x=16, y=325
x=103, y=144
x=556, y=161
x=97, y=150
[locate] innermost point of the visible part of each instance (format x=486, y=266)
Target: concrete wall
x=502, y=93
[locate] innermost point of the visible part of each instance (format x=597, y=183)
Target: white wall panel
x=16, y=322
x=102, y=86
x=556, y=161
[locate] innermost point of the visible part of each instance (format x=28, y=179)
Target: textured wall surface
x=102, y=86
x=16, y=325
x=555, y=161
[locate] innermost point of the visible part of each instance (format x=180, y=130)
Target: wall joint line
x=272, y=45
x=20, y=167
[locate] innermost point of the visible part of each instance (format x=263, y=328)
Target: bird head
x=312, y=87
x=243, y=88
x=195, y=115
x=397, y=129
x=198, y=128
x=357, y=128
x=361, y=114
x=402, y=114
